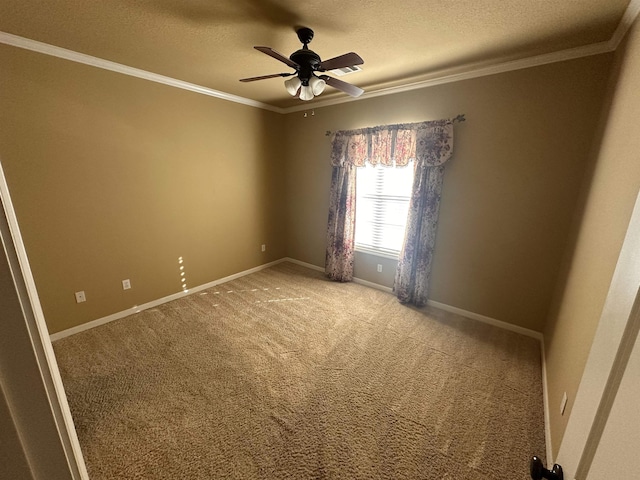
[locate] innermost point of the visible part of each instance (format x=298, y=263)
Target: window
x=382, y=203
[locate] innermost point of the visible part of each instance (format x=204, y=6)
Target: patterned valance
x=428, y=143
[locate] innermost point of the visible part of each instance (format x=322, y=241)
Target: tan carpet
x=282, y=374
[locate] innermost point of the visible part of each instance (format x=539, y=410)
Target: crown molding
x=629, y=16
x=59, y=52
x=627, y=20
x=536, y=61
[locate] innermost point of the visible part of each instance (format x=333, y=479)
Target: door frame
x=41, y=356
x=615, y=336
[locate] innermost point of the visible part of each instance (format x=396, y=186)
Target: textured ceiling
x=209, y=42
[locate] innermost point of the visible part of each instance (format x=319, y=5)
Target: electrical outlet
x=264, y=248
x=80, y=297
x=126, y=284
x=563, y=404
x=379, y=267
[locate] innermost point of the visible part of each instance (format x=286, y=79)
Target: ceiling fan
x=306, y=63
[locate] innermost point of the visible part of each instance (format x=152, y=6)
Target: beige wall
x=509, y=191
x=602, y=219
x=114, y=177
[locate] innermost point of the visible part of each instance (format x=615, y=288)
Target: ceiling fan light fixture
x=306, y=93
x=317, y=85
x=304, y=83
x=292, y=85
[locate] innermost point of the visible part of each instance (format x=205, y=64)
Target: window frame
x=371, y=250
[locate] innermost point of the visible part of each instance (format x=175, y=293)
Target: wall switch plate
x=379, y=267
x=126, y=284
x=264, y=248
x=563, y=404
x=80, y=297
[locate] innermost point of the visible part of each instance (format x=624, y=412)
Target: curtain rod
x=457, y=118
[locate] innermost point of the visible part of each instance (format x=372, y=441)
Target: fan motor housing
x=306, y=57
x=308, y=60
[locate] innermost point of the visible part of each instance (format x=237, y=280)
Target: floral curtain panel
x=429, y=144
x=342, y=223
x=434, y=147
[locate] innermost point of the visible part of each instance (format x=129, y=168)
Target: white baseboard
x=303, y=264
x=484, y=319
x=155, y=303
x=442, y=306
x=524, y=331
x=545, y=399
x=366, y=283
x=377, y=286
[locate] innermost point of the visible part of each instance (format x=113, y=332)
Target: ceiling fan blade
x=278, y=56
x=347, y=60
x=342, y=86
x=264, y=77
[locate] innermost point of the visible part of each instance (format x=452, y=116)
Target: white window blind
x=382, y=203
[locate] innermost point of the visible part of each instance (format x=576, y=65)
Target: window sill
x=377, y=253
